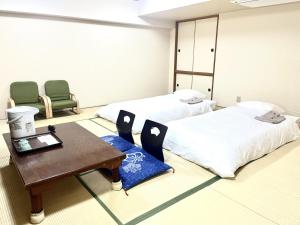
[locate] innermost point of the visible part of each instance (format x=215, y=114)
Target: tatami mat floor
x=266, y=191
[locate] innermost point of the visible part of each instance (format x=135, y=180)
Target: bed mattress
x=227, y=139
x=161, y=109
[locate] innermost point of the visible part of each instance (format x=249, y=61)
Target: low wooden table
x=81, y=151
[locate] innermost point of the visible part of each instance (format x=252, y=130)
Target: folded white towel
x=193, y=100
x=271, y=117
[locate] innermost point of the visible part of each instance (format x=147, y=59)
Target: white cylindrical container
x=21, y=121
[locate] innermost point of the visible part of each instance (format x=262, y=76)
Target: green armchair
x=26, y=93
x=59, y=96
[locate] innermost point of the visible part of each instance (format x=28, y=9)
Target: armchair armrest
x=47, y=103
x=73, y=97
x=10, y=103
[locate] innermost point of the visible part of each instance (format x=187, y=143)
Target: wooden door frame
x=176, y=49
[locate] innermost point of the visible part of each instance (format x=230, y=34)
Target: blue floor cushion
x=118, y=142
x=139, y=166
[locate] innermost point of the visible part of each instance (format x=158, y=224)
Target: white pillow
x=186, y=94
x=265, y=106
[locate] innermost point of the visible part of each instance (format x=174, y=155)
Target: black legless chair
x=124, y=125
x=152, y=138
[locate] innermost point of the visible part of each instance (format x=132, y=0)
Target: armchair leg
x=49, y=104
x=48, y=108
x=49, y=113
x=76, y=110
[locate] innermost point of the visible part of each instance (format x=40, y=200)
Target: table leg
x=10, y=161
x=116, y=184
x=37, y=213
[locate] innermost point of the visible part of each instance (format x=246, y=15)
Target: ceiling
x=196, y=10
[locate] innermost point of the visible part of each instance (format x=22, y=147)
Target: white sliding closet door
x=186, y=32
x=203, y=84
x=183, y=81
x=205, y=37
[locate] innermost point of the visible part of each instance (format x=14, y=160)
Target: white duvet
x=161, y=109
x=227, y=139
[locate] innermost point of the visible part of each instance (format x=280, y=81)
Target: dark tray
x=35, y=142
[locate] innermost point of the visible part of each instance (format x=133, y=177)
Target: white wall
x=258, y=56
x=103, y=63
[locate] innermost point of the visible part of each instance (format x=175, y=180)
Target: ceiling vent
x=261, y=3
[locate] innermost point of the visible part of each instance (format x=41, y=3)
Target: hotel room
x=150, y=112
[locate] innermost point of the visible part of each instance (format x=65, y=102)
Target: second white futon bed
x=227, y=139
x=161, y=109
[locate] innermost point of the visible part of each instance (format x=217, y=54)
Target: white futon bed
x=227, y=139
x=161, y=109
